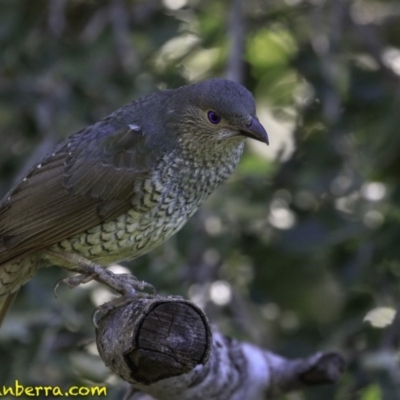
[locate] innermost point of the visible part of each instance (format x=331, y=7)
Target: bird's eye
x=213, y=117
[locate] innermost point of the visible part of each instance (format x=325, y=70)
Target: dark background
x=301, y=244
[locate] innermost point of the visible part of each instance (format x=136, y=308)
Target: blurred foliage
x=299, y=246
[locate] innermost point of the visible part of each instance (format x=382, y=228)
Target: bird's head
x=216, y=110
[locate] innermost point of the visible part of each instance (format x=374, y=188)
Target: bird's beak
x=255, y=131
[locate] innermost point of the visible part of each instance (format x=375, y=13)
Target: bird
x=118, y=188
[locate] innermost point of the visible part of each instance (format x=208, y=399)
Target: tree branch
x=236, y=35
x=164, y=347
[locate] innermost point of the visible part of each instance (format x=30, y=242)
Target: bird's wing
x=94, y=176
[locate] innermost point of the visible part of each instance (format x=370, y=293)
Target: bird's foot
x=73, y=281
x=125, y=284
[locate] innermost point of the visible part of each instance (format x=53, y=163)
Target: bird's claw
x=73, y=281
x=127, y=285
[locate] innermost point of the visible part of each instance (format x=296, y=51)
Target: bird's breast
x=178, y=186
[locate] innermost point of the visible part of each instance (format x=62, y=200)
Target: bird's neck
x=212, y=163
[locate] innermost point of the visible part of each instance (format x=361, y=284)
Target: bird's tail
x=5, y=305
